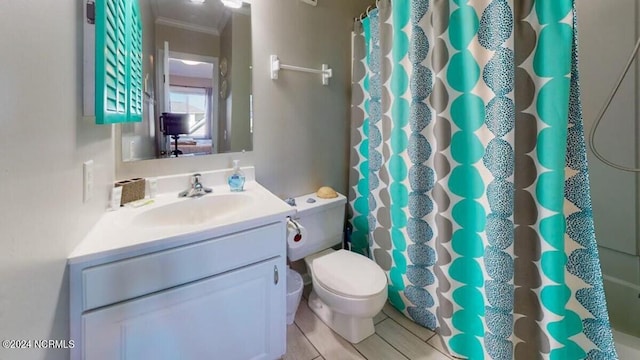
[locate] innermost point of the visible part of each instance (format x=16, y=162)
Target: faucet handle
x=195, y=178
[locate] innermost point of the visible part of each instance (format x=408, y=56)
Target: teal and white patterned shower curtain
x=469, y=179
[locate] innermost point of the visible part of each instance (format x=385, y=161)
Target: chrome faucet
x=197, y=189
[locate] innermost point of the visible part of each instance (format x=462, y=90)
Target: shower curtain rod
x=366, y=12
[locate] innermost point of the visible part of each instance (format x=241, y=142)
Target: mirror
x=197, y=81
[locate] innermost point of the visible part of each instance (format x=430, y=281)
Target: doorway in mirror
x=190, y=90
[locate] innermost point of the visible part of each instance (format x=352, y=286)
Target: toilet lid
x=349, y=274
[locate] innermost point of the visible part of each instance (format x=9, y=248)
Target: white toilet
x=348, y=289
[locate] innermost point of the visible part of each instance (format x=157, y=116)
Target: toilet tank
x=323, y=220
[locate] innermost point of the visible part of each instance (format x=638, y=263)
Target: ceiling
x=209, y=17
x=201, y=70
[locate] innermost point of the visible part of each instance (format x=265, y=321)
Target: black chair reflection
x=174, y=125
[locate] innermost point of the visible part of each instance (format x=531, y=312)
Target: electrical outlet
x=132, y=148
x=87, y=180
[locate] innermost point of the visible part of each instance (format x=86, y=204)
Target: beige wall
x=186, y=41
x=607, y=33
x=138, y=139
x=240, y=83
x=148, y=42
x=224, y=105
x=302, y=127
x=44, y=141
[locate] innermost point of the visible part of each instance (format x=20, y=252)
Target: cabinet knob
x=276, y=277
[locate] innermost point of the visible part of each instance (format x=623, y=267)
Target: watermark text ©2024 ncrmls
x=37, y=344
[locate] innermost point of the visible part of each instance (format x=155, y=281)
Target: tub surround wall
x=604, y=48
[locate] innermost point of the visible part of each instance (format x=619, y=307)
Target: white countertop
x=115, y=236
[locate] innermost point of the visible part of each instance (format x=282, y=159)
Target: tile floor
x=396, y=337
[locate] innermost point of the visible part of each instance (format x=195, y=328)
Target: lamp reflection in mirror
x=191, y=62
x=174, y=125
x=235, y=4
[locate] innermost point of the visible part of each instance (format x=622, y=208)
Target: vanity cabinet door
x=236, y=315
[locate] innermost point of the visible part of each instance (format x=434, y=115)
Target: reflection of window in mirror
x=194, y=101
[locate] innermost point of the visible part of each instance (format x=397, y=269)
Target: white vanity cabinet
x=210, y=298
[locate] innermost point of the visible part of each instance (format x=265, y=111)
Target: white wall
x=44, y=141
x=607, y=33
x=300, y=142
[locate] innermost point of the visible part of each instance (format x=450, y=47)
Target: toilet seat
x=349, y=274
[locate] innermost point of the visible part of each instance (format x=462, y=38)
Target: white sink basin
x=196, y=211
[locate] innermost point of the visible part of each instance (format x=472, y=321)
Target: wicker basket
x=132, y=190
